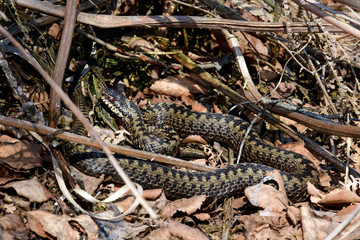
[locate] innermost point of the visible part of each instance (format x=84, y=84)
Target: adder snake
x=260, y=158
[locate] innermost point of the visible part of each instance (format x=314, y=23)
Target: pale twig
x=240, y=60
x=345, y=27
x=71, y=137
x=236, y=97
x=110, y=21
x=81, y=118
x=344, y=223
x=336, y=13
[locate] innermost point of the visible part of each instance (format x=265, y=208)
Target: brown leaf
x=51, y=226
x=336, y=198
x=266, y=73
x=19, y=154
x=55, y=31
x=183, y=231
x=267, y=197
x=294, y=214
x=343, y=213
x=41, y=99
x=176, y=86
x=14, y=226
x=31, y=189
x=240, y=202
x=313, y=191
x=172, y=87
x=188, y=100
x=125, y=202
x=187, y=205
x=313, y=227
x=8, y=174
x=202, y=216
x=159, y=234
x=198, y=107
x=269, y=227
x=90, y=183
x=89, y=226
x=140, y=44
x=260, y=47
x=152, y=194
x=284, y=89
x=299, y=127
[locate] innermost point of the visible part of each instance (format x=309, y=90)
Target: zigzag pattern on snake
x=260, y=158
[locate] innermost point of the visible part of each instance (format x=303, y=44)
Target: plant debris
x=299, y=61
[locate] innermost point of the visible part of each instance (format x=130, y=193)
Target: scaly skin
x=295, y=169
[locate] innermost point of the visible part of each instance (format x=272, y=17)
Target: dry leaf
x=284, y=89
x=188, y=100
x=14, y=226
x=187, y=205
x=8, y=174
x=267, y=74
x=198, y=107
x=240, y=202
x=89, y=226
x=343, y=213
x=40, y=99
x=294, y=214
x=170, y=86
x=270, y=227
x=202, y=216
x=336, y=198
x=185, y=232
x=159, y=234
x=90, y=183
x=177, y=86
x=152, y=194
x=55, y=31
x=31, y=189
x=51, y=226
x=141, y=45
x=313, y=227
x=19, y=154
x=125, y=202
x=313, y=191
x=287, y=121
x=267, y=197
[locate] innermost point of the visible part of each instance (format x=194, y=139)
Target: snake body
x=260, y=157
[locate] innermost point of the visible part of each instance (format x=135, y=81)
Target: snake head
x=120, y=105
x=112, y=99
x=108, y=95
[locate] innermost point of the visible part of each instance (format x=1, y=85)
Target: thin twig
x=62, y=59
x=345, y=27
x=71, y=137
x=81, y=118
x=110, y=21
x=344, y=223
x=314, y=147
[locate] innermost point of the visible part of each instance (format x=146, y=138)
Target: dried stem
x=314, y=147
x=109, y=21
x=71, y=137
x=61, y=59
x=81, y=118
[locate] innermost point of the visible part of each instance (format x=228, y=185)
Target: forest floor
x=289, y=69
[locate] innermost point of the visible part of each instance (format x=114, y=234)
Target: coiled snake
x=295, y=169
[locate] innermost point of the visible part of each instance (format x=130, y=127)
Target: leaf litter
x=33, y=207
